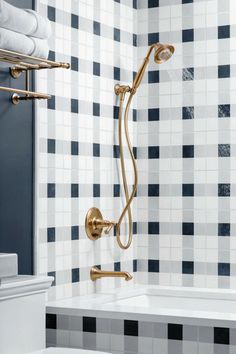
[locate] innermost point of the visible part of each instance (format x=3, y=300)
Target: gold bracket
x=95, y=224
x=121, y=89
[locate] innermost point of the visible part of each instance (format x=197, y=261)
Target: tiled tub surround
x=130, y=322
x=186, y=145
x=77, y=147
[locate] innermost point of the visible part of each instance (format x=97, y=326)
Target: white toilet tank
x=22, y=314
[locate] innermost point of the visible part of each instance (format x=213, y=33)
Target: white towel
x=17, y=42
x=27, y=22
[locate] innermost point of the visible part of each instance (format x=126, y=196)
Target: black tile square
x=74, y=148
x=75, y=232
x=153, y=152
x=153, y=266
x=188, y=35
x=52, y=55
x=187, y=112
x=224, y=111
x=51, y=234
x=89, y=324
x=135, y=152
x=115, y=112
x=96, y=150
x=188, y=228
x=53, y=274
x=74, y=190
x=153, y=3
x=75, y=275
x=116, y=151
x=116, y=73
x=96, y=28
x=96, y=69
x=51, y=13
x=51, y=103
x=153, y=76
x=117, y=266
x=74, y=106
x=224, y=229
x=74, y=64
x=223, y=190
x=51, y=321
x=135, y=40
x=188, y=74
x=51, y=146
x=131, y=328
x=134, y=4
x=188, y=151
x=153, y=114
x=153, y=38
x=116, y=35
x=135, y=228
x=224, y=150
x=116, y=190
x=187, y=1
x=224, y=269
x=188, y=190
x=96, y=109
x=51, y=190
x=175, y=331
x=96, y=190
x=223, y=71
x=135, y=265
x=221, y=335
x=223, y=32
x=153, y=190
x=187, y=267
x=153, y=228
x=134, y=115
x=74, y=21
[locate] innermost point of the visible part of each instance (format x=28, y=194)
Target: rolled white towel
x=17, y=42
x=27, y=22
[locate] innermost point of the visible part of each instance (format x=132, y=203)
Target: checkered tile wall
x=186, y=134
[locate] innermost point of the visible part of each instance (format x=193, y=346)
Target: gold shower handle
x=95, y=224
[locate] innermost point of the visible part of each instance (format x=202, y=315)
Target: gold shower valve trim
x=95, y=224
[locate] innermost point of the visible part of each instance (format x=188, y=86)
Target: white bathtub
x=156, y=304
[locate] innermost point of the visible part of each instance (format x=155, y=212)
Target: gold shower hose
x=128, y=198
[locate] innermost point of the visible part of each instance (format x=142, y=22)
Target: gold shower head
x=163, y=52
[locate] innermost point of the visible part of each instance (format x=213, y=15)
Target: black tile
x=53, y=274
x=115, y=112
x=188, y=74
x=153, y=114
x=221, y=335
x=96, y=190
x=116, y=151
x=96, y=150
x=175, y=331
x=153, y=190
x=153, y=76
x=135, y=265
x=116, y=34
x=188, y=35
x=135, y=40
x=74, y=64
x=187, y=1
x=74, y=106
x=116, y=73
x=223, y=190
x=224, y=150
x=74, y=190
x=117, y=266
x=74, y=232
x=51, y=146
x=116, y=190
x=135, y=152
x=96, y=69
x=187, y=112
x=74, y=21
x=153, y=3
x=153, y=152
x=52, y=55
x=223, y=32
x=51, y=103
x=51, y=190
x=187, y=267
x=188, y=228
x=224, y=229
x=223, y=269
x=188, y=151
x=224, y=110
x=89, y=324
x=134, y=228
x=153, y=228
x=134, y=115
x=188, y=190
x=51, y=13
x=153, y=266
x=75, y=275
x=74, y=148
x=96, y=109
x=223, y=71
x=153, y=38
x=134, y=4
x=130, y=328
x=51, y=234
x=51, y=321
x=96, y=28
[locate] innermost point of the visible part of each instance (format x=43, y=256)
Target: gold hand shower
x=162, y=53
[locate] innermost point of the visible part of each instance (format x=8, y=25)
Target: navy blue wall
x=16, y=170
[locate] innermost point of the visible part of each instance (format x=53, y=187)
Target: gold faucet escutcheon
x=96, y=273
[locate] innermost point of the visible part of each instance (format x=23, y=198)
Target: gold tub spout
x=96, y=273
